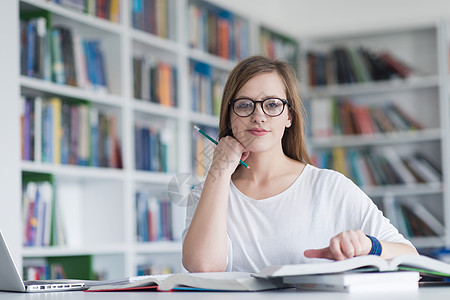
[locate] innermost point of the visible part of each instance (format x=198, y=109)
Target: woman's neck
x=265, y=166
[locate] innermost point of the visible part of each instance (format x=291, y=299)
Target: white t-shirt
x=277, y=230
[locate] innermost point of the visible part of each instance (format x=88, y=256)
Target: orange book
x=165, y=81
x=224, y=31
x=113, y=159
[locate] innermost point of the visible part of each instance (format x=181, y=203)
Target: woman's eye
x=244, y=105
x=272, y=105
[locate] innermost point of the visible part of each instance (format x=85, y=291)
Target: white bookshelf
x=423, y=96
x=99, y=202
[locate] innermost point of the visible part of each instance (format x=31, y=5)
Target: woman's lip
x=257, y=132
x=258, y=129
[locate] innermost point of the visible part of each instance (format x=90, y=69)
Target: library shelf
x=336, y=71
x=401, y=137
x=100, y=203
x=375, y=87
x=73, y=171
x=73, y=251
x=47, y=89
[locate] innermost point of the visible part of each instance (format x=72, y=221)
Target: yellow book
x=115, y=11
x=161, y=18
x=56, y=105
x=340, y=161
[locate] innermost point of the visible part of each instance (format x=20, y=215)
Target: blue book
x=138, y=151
x=58, y=65
x=145, y=148
x=94, y=122
x=89, y=61
x=31, y=37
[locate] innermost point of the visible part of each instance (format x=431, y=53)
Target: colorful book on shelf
x=201, y=87
x=208, y=281
x=34, y=44
x=154, y=148
x=277, y=45
x=37, y=209
x=216, y=31
x=419, y=221
x=151, y=16
x=354, y=65
x=153, y=218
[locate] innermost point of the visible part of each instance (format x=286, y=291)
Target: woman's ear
x=289, y=120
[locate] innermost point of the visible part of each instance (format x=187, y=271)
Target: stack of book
x=61, y=55
x=217, y=31
x=151, y=16
x=153, y=217
x=276, y=46
x=154, y=81
x=109, y=10
x=369, y=273
x=380, y=167
x=155, y=147
x=206, y=87
x=352, y=65
x=336, y=117
x=69, y=132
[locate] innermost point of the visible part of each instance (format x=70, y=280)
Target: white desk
x=434, y=293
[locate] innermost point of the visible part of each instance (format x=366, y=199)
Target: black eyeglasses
x=244, y=107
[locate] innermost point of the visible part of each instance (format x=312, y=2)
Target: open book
x=411, y=262
x=218, y=281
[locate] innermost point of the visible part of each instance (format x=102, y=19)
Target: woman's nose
x=258, y=114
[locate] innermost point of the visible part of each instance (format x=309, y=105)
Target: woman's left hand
x=345, y=245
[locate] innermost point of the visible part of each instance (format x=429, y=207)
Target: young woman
x=282, y=210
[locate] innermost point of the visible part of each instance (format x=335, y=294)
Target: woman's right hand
x=227, y=154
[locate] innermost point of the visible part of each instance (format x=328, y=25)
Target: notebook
x=10, y=279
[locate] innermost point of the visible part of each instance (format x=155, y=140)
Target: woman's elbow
x=202, y=266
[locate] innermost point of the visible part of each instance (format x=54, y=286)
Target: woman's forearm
x=391, y=250
x=205, y=244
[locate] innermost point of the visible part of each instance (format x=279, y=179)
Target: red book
x=400, y=68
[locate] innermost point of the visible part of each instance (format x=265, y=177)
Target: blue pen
x=215, y=142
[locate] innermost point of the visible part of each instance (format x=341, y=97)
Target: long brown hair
x=293, y=140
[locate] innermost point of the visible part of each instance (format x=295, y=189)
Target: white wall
x=303, y=18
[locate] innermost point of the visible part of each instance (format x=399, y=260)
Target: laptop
x=10, y=279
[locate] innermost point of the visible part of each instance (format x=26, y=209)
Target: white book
x=321, y=116
x=385, y=287
x=420, y=263
x=356, y=278
x=80, y=61
x=47, y=197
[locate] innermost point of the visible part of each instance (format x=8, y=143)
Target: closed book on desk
x=357, y=281
x=217, y=281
